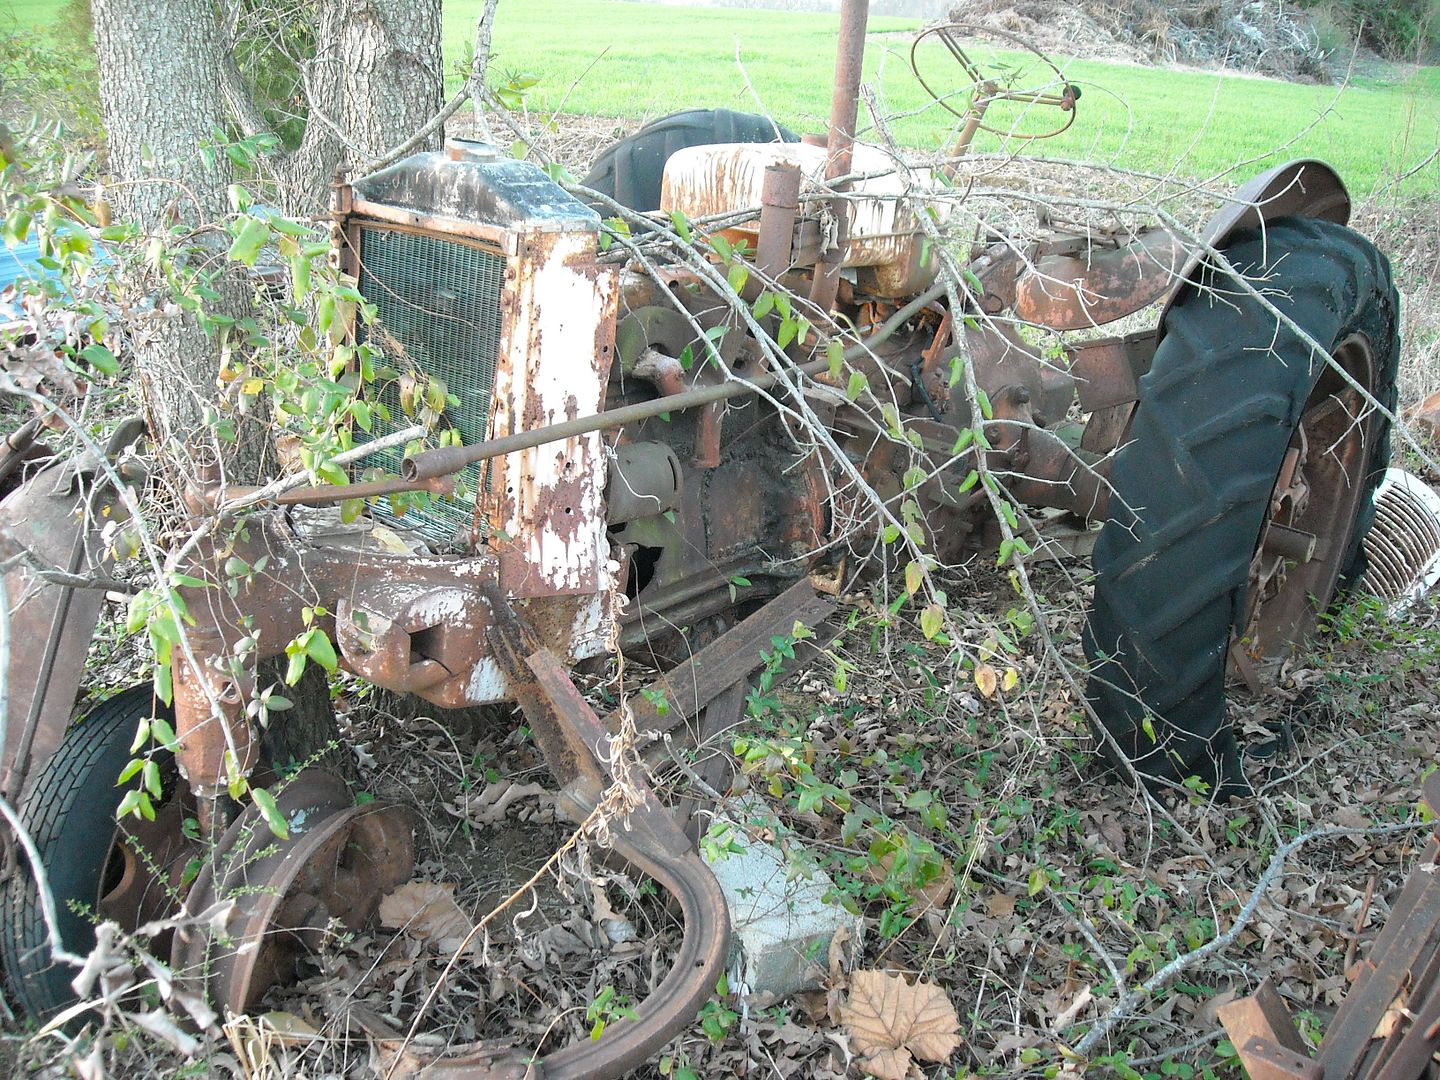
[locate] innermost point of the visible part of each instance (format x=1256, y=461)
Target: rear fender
x=52, y=520
x=1303, y=188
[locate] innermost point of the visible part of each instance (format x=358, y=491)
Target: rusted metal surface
x=779, y=206
x=17, y=448
x=881, y=239
x=645, y=480
x=52, y=521
x=1302, y=188
x=1101, y=283
x=1313, y=506
x=1388, y=1025
x=840, y=151
x=327, y=494
x=336, y=864
x=1107, y=371
x=578, y=748
x=985, y=91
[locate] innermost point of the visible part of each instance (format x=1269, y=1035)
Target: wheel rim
x=1314, y=506
x=145, y=865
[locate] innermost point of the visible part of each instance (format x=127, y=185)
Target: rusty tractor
x=633, y=439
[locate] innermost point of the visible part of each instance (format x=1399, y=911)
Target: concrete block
x=781, y=923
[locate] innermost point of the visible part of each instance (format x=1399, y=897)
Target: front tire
x=1233, y=412
x=96, y=867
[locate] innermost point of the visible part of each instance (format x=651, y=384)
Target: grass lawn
x=617, y=58
x=626, y=59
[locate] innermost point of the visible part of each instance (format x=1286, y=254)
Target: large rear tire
x=1243, y=445
x=630, y=170
x=95, y=867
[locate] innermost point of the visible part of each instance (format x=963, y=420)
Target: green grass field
x=634, y=60
x=615, y=58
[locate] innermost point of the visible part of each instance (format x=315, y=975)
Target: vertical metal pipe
x=849, y=61
x=779, y=206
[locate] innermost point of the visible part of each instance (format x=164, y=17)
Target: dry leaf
x=888, y=1020
x=1000, y=905
x=838, y=954
x=985, y=679
x=426, y=911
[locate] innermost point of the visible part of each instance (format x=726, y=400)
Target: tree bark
x=160, y=98
x=375, y=80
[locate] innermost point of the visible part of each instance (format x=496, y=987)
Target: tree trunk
x=168, y=81
x=374, y=81
x=160, y=99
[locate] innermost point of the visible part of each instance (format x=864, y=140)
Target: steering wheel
x=983, y=91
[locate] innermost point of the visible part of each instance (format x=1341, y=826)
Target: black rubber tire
x=630, y=170
x=70, y=812
x=1215, y=416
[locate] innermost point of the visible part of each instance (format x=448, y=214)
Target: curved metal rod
x=628, y=1044
x=988, y=91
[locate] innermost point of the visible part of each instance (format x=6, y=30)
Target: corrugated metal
x=1403, y=545
x=440, y=301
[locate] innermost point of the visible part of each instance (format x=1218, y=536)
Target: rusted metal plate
x=53, y=521
x=1303, y=188
x=1412, y=929
x=1106, y=429
x=1107, y=371
x=729, y=659
x=1262, y=1014
x=545, y=510
x=1264, y=1060
x=1072, y=292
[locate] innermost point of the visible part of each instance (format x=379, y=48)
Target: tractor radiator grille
x=439, y=303
x=1403, y=545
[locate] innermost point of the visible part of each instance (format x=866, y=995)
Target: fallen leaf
x=985, y=679
x=839, y=953
x=889, y=1019
x=1000, y=905
x=426, y=911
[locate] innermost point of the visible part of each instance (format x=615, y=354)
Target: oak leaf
x=426, y=911
x=889, y=1020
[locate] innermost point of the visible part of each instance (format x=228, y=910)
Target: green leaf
x=248, y=242
x=857, y=386
x=129, y=772
x=164, y=734
x=276, y=820
x=764, y=304
x=737, y=276
x=164, y=687
x=318, y=647
x=971, y=479
x=788, y=329
x=100, y=358
x=152, y=778
x=932, y=621
x=986, y=409
x=914, y=576
x=130, y=804
x=296, y=667
x=835, y=356
x=682, y=226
